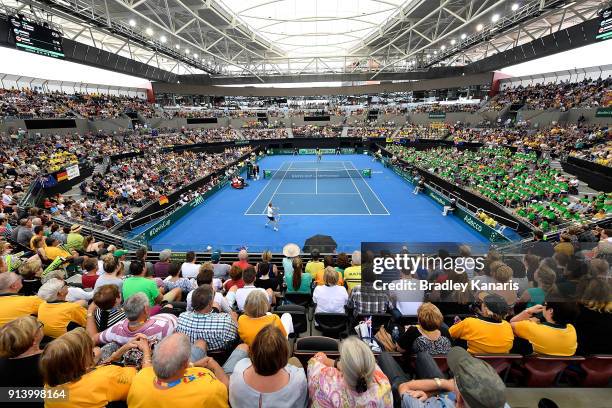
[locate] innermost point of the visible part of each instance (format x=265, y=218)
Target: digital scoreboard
x=33, y=37
x=604, y=31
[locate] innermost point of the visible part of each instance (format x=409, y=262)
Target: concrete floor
x=563, y=397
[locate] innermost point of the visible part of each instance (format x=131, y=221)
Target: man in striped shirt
x=136, y=309
x=219, y=330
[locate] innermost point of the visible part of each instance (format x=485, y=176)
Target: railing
x=32, y=194
x=471, y=207
x=102, y=235
x=150, y=217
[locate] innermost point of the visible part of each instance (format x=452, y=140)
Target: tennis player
x=319, y=154
x=272, y=214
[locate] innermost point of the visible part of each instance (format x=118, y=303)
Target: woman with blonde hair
x=69, y=362
x=355, y=380
x=595, y=323
x=330, y=297
x=20, y=353
x=256, y=317
x=31, y=272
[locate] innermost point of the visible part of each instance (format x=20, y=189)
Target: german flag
x=163, y=200
x=61, y=176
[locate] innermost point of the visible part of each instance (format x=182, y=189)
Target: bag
x=385, y=340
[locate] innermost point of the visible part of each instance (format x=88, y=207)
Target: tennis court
x=330, y=187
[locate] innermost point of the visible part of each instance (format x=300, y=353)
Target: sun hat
x=291, y=250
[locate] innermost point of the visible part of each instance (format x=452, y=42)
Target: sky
x=23, y=63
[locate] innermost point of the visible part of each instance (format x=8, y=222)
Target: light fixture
x=427, y=56
x=453, y=41
x=149, y=31
x=163, y=39
x=435, y=52
x=479, y=27
x=495, y=18
x=177, y=46
x=132, y=22
x=463, y=36
x=187, y=51
x=443, y=47
x=195, y=55
x=515, y=6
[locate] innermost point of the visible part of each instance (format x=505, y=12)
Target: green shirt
x=135, y=284
x=304, y=284
x=74, y=241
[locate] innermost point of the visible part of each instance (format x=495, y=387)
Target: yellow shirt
x=352, y=277
x=547, y=339
x=483, y=336
x=56, y=316
x=320, y=280
x=248, y=327
x=199, y=388
x=313, y=268
x=14, y=306
x=97, y=388
x=53, y=252
x=32, y=242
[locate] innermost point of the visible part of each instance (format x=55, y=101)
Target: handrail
x=26, y=200
x=150, y=217
x=104, y=235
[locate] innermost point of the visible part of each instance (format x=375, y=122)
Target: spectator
x=328, y=262
x=74, y=240
x=218, y=330
x=314, y=266
x=173, y=381
x=545, y=279
x=30, y=272
x=106, y=307
x=290, y=251
x=139, y=282
x=58, y=315
x=113, y=273
x=240, y=294
x=205, y=277
x=12, y=305
x=89, y=278
x=355, y=380
x=502, y=275
x=406, y=302
x=20, y=353
x=268, y=377
x=174, y=281
x=296, y=280
x=595, y=321
x=365, y=299
x=266, y=272
x=39, y=232
x=235, y=279
x=189, y=268
x=137, y=321
x=488, y=332
x=243, y=260
x=69, y=361
x=427, y=336
x=330, y=297
x=256, y=317
x=141, y=255
x=162, y=266
x=352, y=274
x=24, y=233
x=475, y=383
x=342, y=262
x=556, y=336
x=221, y=270
x=53, y=250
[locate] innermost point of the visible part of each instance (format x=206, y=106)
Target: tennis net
x=302, y=174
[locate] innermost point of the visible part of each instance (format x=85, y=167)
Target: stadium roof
x=263, y=38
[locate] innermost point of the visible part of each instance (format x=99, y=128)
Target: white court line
x=317, y=193
x=366, y=183
x=316, y=181
x=314, y=215
x=262, y=190
x=353, y=181
x=279, y=184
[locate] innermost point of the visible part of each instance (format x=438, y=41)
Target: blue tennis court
x=350, y=209
x=330, y=187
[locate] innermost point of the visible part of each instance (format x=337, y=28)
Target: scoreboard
x=604, y=31
x=33, y=37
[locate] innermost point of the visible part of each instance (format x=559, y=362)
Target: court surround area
x=330, y=197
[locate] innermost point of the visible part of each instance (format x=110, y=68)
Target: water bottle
x=395, y=334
